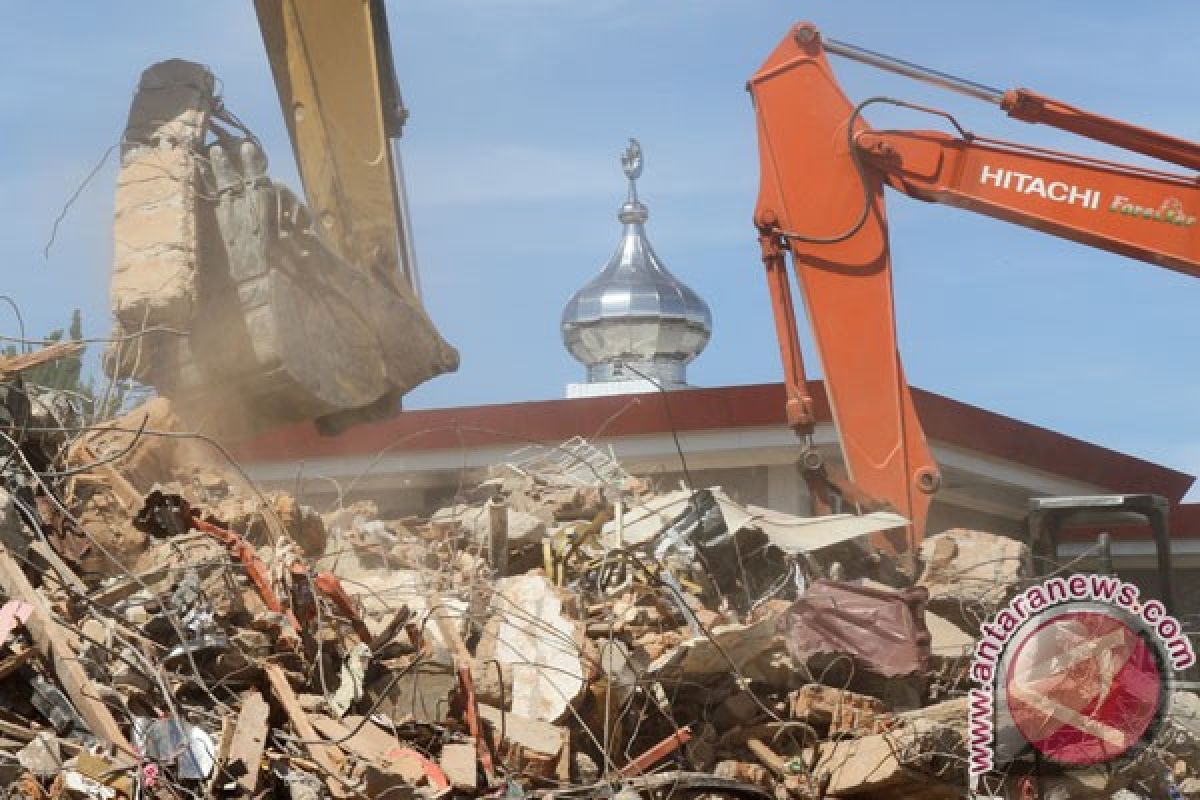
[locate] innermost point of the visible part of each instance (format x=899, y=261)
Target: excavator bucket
x=230, y=296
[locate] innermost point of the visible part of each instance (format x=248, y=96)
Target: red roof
x=728, y=407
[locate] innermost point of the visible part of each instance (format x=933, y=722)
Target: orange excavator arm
x=821, y=199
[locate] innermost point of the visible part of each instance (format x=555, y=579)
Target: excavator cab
x=245, y=304
x=1049, y=515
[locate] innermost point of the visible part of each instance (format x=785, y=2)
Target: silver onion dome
x=635, y=320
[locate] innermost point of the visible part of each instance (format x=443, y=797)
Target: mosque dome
x=635, y=320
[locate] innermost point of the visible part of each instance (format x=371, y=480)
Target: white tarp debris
x=788, y=532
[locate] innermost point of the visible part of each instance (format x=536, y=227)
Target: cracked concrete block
x=530, y=629
x=155, y=240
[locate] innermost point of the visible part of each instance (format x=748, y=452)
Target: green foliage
x=66, y=374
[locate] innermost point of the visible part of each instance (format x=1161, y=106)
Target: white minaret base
x=609, y=388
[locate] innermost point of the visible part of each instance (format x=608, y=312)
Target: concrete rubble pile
x=167, y=630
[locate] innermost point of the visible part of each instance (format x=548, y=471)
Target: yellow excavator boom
x=333, y=69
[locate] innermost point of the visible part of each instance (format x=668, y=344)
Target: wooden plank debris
x=50, y=641
x=249, y=740
x=327, y=755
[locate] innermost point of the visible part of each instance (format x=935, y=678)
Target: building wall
x=756, y=466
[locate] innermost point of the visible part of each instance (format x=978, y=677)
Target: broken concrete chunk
x=947, y=641
x=530, y=630
x=921, y=759
x=712, y=655
x=154, y=231
x=129, y=464
x=459, y=764
x=523, y=528
x=969, y=574
x=530, y=747
x=422, y=692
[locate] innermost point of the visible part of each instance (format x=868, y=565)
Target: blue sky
x=519, y=110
